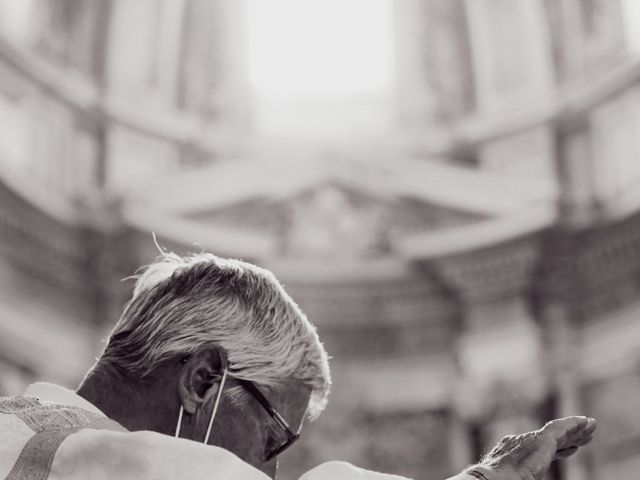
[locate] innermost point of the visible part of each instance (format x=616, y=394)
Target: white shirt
x=51, y=393
x=89, y=451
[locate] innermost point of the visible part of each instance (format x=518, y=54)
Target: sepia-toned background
x=450, y=189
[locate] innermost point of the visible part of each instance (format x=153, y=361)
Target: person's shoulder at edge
x=104, y=454
x=345, y=471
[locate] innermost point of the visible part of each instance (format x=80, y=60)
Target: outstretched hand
x=528, y=456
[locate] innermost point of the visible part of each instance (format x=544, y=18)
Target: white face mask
x=213, y=413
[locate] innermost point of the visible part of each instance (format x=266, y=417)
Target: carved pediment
x=335, y=221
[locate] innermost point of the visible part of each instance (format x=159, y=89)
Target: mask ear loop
x=179, y=421
x=215, y=406
x=213, y=414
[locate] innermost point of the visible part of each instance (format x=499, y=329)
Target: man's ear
x=201, y=372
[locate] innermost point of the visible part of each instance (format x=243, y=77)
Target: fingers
x=566, y=452
x=592, y=424
x=586, y=435
x=581, y=437
x=570, y=431
x=563, y=426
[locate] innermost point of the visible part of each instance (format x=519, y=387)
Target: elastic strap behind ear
x=179, y=421
x=215, y=406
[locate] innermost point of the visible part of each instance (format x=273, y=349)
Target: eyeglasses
x=273, y=413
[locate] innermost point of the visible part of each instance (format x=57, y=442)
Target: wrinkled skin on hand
x=528, y=456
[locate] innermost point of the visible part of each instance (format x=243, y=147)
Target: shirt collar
x=48, y=392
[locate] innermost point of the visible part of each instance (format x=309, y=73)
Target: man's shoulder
x=145, y=455
x=42, y=416
x=15, y=404
x=345, y=471
x=32, y=430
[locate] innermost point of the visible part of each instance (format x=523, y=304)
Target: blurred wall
x=473, y=269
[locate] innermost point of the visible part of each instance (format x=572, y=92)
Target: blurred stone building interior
x=450, y=189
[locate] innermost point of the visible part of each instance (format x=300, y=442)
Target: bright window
x=311, y=48
x=15, y=19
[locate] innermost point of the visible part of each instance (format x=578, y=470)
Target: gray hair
x=181, y=303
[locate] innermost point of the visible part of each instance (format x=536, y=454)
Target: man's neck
x=134, y=405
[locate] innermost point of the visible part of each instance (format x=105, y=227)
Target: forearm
x=474, y=473
x=462, y=476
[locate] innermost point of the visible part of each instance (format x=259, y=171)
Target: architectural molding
x=501, y=270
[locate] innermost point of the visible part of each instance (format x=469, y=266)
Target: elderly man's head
x=189, y=320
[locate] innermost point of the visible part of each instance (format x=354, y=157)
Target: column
x=588, y=37
x=499, y=350
x=433, y=64
x=143, y=52
x=70, y=32
x=578, y=202
x=213, y=78
x=562, y=347
x=511, y=59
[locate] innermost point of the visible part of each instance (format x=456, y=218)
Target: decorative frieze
x=498, y=271
x=73, y=259
x=595, y=270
